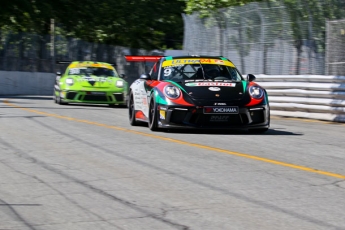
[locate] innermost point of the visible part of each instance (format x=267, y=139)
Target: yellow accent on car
x=162, y=114
x=90, y=64
x=186, y=61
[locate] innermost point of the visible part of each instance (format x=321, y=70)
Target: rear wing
x=63, y=62
x=142, y=58
x=95, y=62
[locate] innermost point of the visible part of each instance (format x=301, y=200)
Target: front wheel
x=153, y=121
x=131, y=112
x=59, y=101
x=55, y=98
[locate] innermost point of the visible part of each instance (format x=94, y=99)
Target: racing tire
x=59, y=101
x=258, y=131
x=55, y=97
x=153, y=121
x=131, y=112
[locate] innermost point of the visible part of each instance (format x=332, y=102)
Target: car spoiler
x=63, y=62
x=142, y=58
x=68, y=62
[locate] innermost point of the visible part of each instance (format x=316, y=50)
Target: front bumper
x=93, y=97
x=193, y=117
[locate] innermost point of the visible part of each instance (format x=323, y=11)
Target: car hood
x=214, y=90
x=95, y=81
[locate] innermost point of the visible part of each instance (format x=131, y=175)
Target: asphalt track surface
x=83, y=167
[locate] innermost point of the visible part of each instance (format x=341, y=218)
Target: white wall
x=26, y=83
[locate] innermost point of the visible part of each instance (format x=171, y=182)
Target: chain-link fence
x=35, y=53
x=335, y=43
x=261, y=38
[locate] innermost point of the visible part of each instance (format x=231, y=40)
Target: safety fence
x=306, y=96
x=273, y=37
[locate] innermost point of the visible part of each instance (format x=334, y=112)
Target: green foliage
x=206, y=7
x=138, y=23
x=148, y=24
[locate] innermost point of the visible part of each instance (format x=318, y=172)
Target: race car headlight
x=119, y=84
x=172, y=91
x=256, y=92
x=69, y=81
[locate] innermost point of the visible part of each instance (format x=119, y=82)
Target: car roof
x=195, y=56
x=75, y=64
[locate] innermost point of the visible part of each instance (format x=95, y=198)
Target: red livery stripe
x=139, y=58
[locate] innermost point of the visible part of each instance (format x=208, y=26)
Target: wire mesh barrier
x=261, y=38
x=36, y=53
x=335, y=52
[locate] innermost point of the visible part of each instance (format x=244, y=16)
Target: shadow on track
x=29, y=97
x=270, y=132
x=50, y=98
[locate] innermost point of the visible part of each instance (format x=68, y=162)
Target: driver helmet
x=211, y=71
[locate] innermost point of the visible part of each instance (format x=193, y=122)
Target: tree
x=205, y=7
x=138, y=24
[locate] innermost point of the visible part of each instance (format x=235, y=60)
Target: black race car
x=202, y=92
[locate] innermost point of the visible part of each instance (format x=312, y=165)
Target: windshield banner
x=178, y=62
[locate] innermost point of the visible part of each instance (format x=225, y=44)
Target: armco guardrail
x=306, y=96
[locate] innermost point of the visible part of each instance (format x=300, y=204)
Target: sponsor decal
x=219, y=103
x=162, y=114
x=175, y=62
x=90, y=64
x=97, y=93
x=219, y=61
x=224, y=84
x=93, y=80
x=219, y=118
x=214, y=88
x=145, y=101
x=220, y=109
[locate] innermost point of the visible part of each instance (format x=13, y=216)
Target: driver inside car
x=211, y=71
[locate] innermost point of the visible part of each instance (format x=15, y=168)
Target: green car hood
x=95, y=81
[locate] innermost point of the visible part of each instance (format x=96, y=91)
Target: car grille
x=232, y=119
x=71, y=95
x=118, y=96
x=95, y=98
x=200, y=119
x=197, y=117
x=178, y=116
x=257, y=116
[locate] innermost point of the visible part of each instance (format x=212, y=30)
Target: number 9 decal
x=167, y=72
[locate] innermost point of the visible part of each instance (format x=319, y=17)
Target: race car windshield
x=97, y=71
x=200, y=71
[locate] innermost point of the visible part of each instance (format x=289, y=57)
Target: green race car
x=91, y=82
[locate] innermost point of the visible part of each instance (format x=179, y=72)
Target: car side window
x=154, y=71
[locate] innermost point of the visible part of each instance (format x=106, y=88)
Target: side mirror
x=145, y=76
x=122, y=75
x=58, y=73
x=250, y=77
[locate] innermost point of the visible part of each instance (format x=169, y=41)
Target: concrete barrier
x=26, y=83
